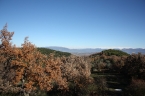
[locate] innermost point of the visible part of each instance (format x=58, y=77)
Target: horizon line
x=100, y=47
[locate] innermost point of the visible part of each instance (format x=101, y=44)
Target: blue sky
x=76, y=23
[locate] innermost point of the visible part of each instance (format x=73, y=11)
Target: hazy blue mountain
x=85, y=50
x=59, y=48
x=95, y=50
x=136, y=50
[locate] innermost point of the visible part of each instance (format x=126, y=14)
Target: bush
x=77, y=71
x=136, y=88
x=101, y=84
x=134, y=66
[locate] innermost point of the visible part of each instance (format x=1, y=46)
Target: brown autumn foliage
x=112, y=63
x=75, y=66
x=135, y=66
x=25, y=69
x=77, y=72
x=117, y=62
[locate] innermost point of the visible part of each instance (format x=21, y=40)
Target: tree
x=26, y=69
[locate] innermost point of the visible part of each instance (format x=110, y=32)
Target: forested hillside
x=47, y=51
x=120, y=71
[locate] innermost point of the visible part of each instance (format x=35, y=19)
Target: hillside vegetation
x=118, y=70
x=114, y=52
x=47, y=51
x=111, y=52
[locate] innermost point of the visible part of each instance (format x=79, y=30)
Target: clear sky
x=76, y=23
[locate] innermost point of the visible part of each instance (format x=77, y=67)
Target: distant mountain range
x=87, y=51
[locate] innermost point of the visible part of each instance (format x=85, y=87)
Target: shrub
x=101, y=84
x=135, y=66
x=136, y=88
x=77, y=71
